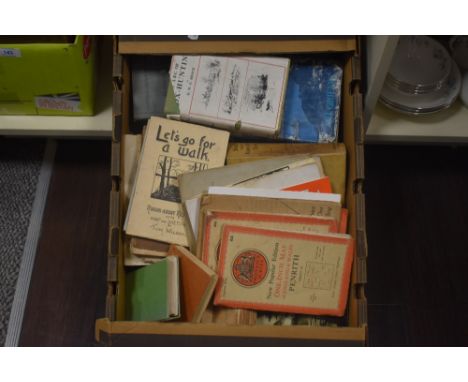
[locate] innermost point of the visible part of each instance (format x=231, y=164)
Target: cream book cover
x=332, y=156
x=170, y=148
x=193, y=185
x=310, y=169
x=242, y=94
x=283, y=271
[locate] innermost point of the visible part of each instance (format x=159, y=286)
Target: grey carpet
x=20, y=165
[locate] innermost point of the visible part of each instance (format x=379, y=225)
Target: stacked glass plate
x=422, y=79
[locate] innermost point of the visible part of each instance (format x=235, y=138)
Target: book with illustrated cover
x=312, y=107
x=170, y=148
x=283, y=271
x=242, y=94
x=215, y=220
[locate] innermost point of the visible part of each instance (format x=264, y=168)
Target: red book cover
x=215, y=220
x=284, y=271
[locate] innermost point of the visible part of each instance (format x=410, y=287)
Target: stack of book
x=270, y=97
x=235, y=233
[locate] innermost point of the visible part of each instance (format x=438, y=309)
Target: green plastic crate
x=47, y=78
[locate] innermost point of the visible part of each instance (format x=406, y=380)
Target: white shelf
x=448, y=126
x=384, y=125
x=99, y=125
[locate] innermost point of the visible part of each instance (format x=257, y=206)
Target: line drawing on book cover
x=232, y=96
x=213, y=68
x=257, y=95
x=261, y=95
x=165, y=183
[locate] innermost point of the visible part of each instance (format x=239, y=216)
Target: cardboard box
x=113, y=330
x=47, y=76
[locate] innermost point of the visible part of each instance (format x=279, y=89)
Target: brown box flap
x=234, y=44
x=110, y=332
x=115, y=159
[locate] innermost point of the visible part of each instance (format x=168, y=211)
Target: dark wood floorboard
x=68, y=287
x=417, y=230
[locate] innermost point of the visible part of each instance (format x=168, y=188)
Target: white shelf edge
x=99, y=125
x=447, y=126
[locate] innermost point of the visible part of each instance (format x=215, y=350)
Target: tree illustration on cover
x=256, y=92
x=165, y=183
x=311, y=112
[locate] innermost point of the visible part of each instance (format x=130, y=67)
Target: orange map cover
x=318, y=185
x=216, y=219
x=284, y=271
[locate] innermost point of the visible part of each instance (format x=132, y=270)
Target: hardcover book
x=170, y=148
x=132, y=260
x=312, y=107
x=153, y=291
x=197, y=284
x=148, y=248
x=149, y=86
x=241, y=94
x=283, y=271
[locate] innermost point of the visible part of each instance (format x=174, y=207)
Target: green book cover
x=171, y=106
x=148, y=292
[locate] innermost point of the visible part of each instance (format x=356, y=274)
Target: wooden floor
x=68, y=285
x=417, y=225
x=417, y=230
